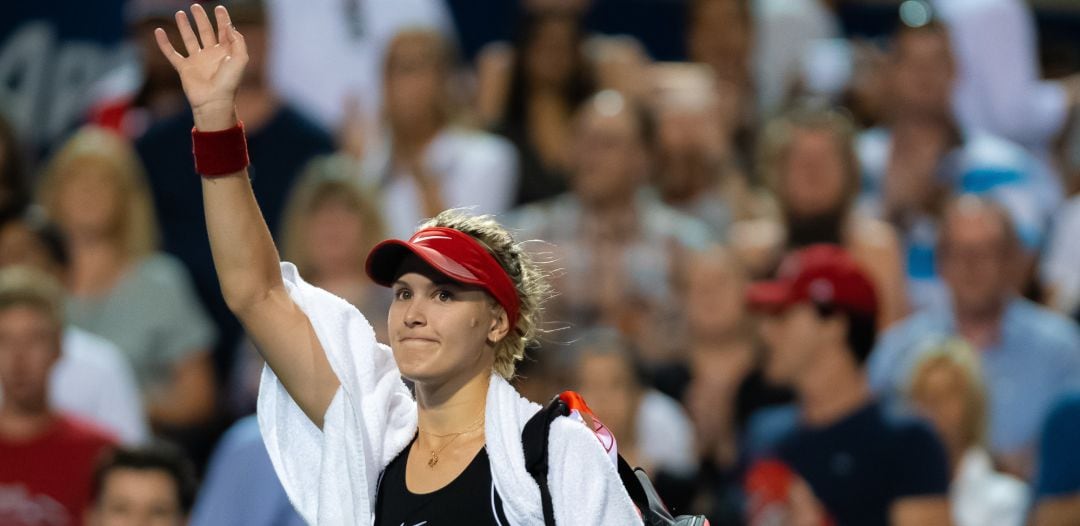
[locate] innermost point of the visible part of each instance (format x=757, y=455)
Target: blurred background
x=666, y=152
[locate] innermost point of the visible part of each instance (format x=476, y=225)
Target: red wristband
x=219, y=153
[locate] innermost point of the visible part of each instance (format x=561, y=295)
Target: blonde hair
x=135, y=227
x=325, y=179
x=779, y=135
x=958, y=356
x=26, y=286
x=529, y=281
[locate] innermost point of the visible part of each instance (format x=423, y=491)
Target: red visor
x=455, y=254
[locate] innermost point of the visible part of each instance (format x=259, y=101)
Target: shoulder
x=159, y=274
x=89, y=350
x=80, y=433
x=474, y=146
x=663, y=220
x=1056, y=332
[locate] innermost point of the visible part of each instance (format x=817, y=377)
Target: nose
x=414, y=315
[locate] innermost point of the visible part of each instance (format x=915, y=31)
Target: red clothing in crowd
x=45, y=481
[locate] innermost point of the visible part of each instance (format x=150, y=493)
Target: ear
x=500, y=324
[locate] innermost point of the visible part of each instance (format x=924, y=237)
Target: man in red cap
x=863, y=466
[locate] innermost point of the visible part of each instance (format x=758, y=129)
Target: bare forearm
x=244, y=254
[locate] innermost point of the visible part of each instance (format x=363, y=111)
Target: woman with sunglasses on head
x=349, y=440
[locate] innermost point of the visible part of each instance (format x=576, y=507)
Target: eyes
x=440, y=295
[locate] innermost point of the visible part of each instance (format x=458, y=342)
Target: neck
x=20, y=423
x=831, y=390
x=980, y=327
x=452, y=406
x=96, y=262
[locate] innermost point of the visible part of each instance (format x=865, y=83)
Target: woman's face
x=88, y=200
x=940, y=396
x=439, y=329
x=334, y=237
x=551, y=54
x=813, y=175
x=414, y=80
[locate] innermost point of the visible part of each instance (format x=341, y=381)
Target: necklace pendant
x=433, y=460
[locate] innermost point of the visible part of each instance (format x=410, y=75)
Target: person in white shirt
x=322, y=70
x=947, y=387
x=425, y=163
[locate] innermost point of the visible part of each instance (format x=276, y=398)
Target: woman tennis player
x=349, y=440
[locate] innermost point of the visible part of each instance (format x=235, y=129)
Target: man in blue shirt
x=863, y=466
x=1029, y=355
x=921, y=156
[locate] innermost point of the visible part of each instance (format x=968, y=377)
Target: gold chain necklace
x=434, y=459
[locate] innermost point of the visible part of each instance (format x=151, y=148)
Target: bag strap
x=534, y=442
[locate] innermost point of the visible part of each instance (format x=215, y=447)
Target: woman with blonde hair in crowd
x=331, y=223
x=121, y=287
x=947, y=388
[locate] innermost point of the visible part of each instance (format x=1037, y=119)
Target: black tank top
x=470, y=499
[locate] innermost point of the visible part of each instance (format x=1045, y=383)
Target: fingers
x=239, y=46
x=202, y=22
x=167, y=48
x=223, y=24
x=232, y=66
x=186, y=34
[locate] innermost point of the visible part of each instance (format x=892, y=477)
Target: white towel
x=331, y=474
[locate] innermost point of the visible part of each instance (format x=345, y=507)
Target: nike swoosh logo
x=426, y=238
x=417, y=524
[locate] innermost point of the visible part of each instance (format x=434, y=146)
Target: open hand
x=211, y=72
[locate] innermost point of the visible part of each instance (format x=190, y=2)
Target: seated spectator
x=153, y=485
x=947, y=388
x=1059, y=272
x=652, y=429
x=528, y=93
x=699, y=168
x=807, y=158
x=1030, y=355
x=921, y=156
x=862, y=465
x=95, y=188
x=93, y=379
x=720, y=34
x=1057, y=486
x=343, y=61
x=331, y=223
x=280, y=140
x=427, y=163
x=616, y=242
x=240, y=485
x=47, y=459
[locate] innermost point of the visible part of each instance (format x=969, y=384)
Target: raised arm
x=244, y=253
